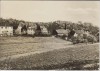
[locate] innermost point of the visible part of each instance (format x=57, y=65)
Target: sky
x=46, y=11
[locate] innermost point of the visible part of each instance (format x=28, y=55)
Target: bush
x=74, y=40
x=64, y=36
x=91, y=38
x=84, y=39
x=77, y=39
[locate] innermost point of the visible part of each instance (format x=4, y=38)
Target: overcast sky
x=46, y=11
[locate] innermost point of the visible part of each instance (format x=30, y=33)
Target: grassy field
x=47, y=53
x=18, y=45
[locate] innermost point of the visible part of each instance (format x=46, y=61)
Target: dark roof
x=62, y=31
x=31, y=28
x=2, y=24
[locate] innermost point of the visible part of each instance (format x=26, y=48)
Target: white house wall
x=30, y=32
x=8, y=30
x=44, y=30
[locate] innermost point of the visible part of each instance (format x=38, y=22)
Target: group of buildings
x=8, y=30
x=41, y=30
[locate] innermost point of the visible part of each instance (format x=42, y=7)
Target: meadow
x=27, y=53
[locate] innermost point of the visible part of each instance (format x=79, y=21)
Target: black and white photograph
x=49, y=35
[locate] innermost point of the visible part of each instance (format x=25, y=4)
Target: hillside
x=47, y=54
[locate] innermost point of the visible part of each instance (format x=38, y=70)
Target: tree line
x=55, y=25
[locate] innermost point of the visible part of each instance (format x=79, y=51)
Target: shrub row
x=84, y=39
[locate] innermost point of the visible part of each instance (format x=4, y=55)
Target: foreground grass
x=80, y=57
x=19, y=45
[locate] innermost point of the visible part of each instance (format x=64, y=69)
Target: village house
x=6, y=30
x=21, y=29
x=30, y=30
x=18, y=30
x=44, y=30
x=62, y=32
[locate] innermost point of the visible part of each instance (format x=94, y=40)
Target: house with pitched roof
x=62, y=32
x=6, y=30
x=30, y=30
x=44, y=30
x=18, y=30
